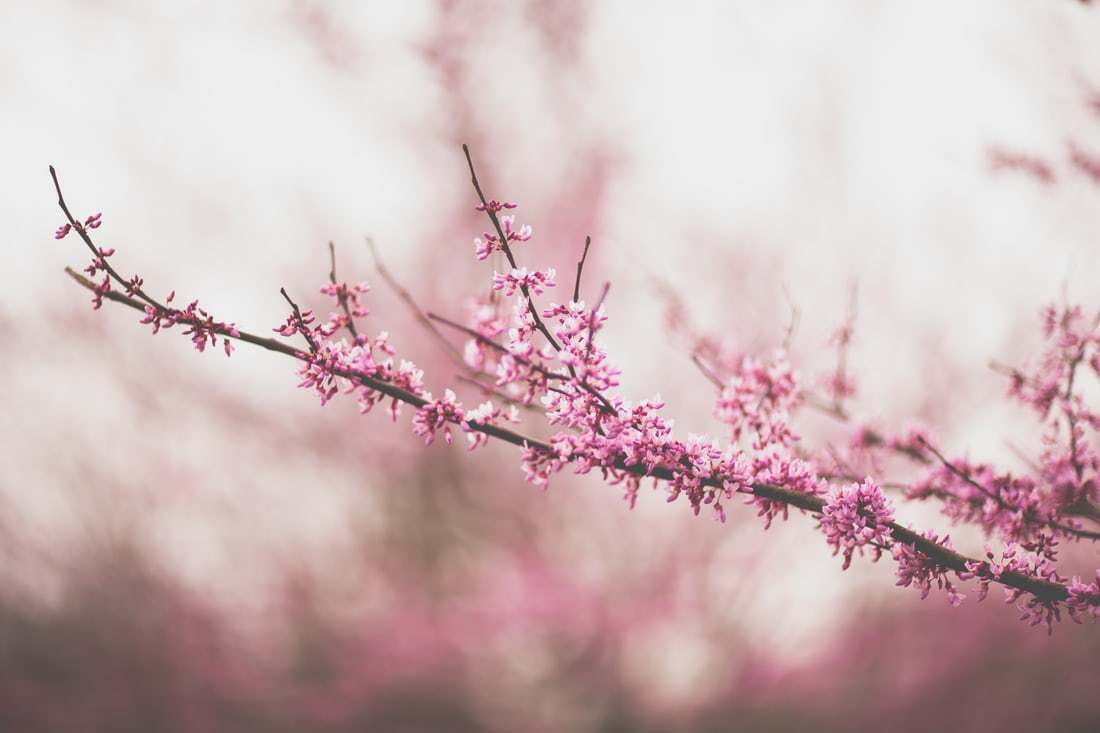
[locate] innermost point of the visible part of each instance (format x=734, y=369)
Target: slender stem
x=958, y=472
x=508, y=252
x=410, y=302
x=825, y=407
x=591, y=323
x=341, y=295
x=301, y=324
x=469, y=374
x=489, y=390
x=83, y=232
x=605, y=404
x=1084, y=533
x=792, y=325
x=494, y=345
x=706, y=370
x=580, y=269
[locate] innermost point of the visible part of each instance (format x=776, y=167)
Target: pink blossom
x=202, y=327
x=485, y=414
x=295, y=324
x=856, y=516
x=99, y=291
x=519, y=278
x=488, y=242
x=349, y=299
x=1084, y=598
x=757, y=400
x=495, y=206
x=485, y=320
x=920, y=571
x=1032, y=564
x=438, y=414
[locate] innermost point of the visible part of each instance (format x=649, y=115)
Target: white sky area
x=741, y=150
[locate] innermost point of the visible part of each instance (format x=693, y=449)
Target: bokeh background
x=190, y=543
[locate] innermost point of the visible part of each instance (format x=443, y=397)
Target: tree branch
x=948, y=558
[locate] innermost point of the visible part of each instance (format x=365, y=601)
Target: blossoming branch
x=549, y=360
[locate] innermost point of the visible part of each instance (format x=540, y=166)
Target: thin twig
x=548, y=374
x=494, y=345
x=792, y=325
x=1000, y=501
x=706, y=370
x=302, y=328
x=958, y=472
x=414, y=308
x=825, y=407
x=592, y=321
x=83, y=232
x=470, y=375
x=341, y=295
x=508, y=252
x=580, y=269
x=840, y=464
x=1083, y=507
x=1019, y=453
x=488, y=390
x=588, y=346
x=842, y=352
x=605, y=404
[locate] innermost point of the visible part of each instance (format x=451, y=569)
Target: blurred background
x=189, y=543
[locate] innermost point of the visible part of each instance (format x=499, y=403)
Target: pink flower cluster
x=758, y=399
x=201, y=326
x=576, y=330
x=1031, y=564
x=485, y=414
x=300, y=323
x=485, y=320
x=488, y=242
x=337, y=363
x=494, y=206
x=519, y=278
x=99, y=265
x=203, y=329
x=92, y=222
x=350, y=300
x=436, y=415
x=1084, y=598
x=855, y=517
x=1002, y=504
x=917, y=569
